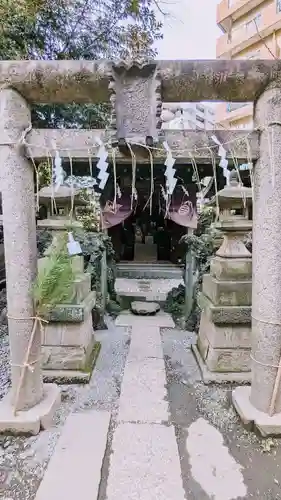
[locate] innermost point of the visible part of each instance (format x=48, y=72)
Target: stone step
x=148, y=271
x=132, y=289
x=74, y=470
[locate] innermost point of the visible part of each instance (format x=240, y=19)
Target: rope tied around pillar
x=278, y=367
x=27, y=365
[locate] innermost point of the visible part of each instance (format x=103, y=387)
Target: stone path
x=187, y=444
x=75, y=467
x=145, y=462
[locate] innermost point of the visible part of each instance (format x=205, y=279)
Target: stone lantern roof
x=62, y=195
x=234, y=195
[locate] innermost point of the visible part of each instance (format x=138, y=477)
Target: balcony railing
x=262, y=25
x=235, y=9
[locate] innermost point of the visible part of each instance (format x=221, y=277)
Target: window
x=254, y=23
x=278, y=5
x=200, y=108
x=232, y=106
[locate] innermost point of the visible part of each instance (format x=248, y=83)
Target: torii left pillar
x=37, y=401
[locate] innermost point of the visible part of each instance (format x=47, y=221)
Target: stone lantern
x=59, y=207
x=223, y=345
x=68, y=343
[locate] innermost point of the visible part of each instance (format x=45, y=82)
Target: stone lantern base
x=223, y=346
x=68, y=345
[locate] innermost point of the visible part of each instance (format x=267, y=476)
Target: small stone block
x=227, y=293
x=224, y=336
x=225, y=314
x=223, y=268
x=227, y=360
x=264, y=423
x=68, y=334
x=66, y=357
x=209, y=377
x=73, y=313
x=74, y=376
x=145, y=308
x=74, y=470
x=32, y=420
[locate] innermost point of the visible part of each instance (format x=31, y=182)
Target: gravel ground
x=190, y=399
x=23, y=460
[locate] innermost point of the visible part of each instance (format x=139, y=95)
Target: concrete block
x=74, y=470
x=225, y=314
x=30, y=421
x=226, y=269
x=231, y=336
x=231, y=293
x=266, y=425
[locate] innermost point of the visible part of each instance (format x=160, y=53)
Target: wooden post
x=188, y=281
x=103, y=280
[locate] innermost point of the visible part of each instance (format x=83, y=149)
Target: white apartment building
x=192, y=115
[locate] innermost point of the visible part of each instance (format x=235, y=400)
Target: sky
x=189, y=30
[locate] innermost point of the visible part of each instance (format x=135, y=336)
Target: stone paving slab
x=74, y=470
x=145, y=464
x=145, y=343
x=161, y=319
x=143, y=392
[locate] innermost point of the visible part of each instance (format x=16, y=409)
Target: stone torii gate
x=136, y=92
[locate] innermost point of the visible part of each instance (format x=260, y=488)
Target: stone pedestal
x=253, y=404
x=68, y=346
x=223, y=345
x=36, y=402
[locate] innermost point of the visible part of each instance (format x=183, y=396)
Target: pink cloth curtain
x=112, y=216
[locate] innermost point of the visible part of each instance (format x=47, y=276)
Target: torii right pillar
x=260, y=404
